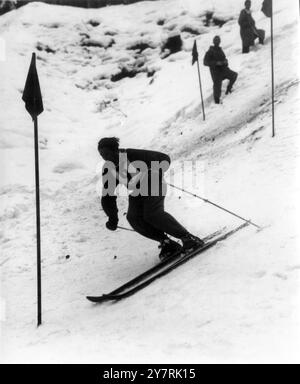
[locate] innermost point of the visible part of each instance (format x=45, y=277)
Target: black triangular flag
x=195, y=53
x=32, y=93
x=267, y=8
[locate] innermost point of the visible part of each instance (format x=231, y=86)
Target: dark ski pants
x=147, y=216
x=260, y=34
x=246, y=48
x=225, y=74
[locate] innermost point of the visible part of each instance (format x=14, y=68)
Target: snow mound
x=67, y=166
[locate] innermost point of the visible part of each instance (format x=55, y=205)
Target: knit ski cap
x=109, y=142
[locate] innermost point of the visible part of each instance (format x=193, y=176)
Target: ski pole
x=215, y=205
x=125, y=229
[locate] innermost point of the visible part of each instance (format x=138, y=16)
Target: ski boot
x=169, y=248
x=191, y=243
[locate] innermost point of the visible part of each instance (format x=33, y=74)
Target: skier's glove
x=112, y=225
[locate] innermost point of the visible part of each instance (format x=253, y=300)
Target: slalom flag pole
x=216, y=205
x=267, y=9
x=38, y=222
x=34, y=105
x=273, y=72
x=196, y=59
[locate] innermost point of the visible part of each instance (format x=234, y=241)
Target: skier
x=249, y=32
x=216, y=60
x=142, y=172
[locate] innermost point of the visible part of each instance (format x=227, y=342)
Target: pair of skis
x=161, y=269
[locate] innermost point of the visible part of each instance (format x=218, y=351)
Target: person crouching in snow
x=249, y=32
x=142, y=172
x=216, y=60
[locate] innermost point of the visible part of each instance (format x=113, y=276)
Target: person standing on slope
x=217, y=62
x=249, y=32
x=142, y=172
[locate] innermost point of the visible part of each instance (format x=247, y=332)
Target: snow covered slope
x=239, y=301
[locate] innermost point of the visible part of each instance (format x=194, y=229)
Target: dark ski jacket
x=109, y=200
x=215, y=59
x=248, y=29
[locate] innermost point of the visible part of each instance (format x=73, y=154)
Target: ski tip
x=102, y=299
x=96, y=300
x=90, y=298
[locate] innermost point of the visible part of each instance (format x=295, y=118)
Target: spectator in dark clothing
x=249, y=32
x=146, y=213
x=216, y=60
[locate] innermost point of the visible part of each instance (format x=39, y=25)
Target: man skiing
x=142, y=172
x=249, y=32
x=216, y=60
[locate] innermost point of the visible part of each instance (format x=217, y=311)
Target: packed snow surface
x=238, y=302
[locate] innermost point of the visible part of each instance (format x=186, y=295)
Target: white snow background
x=238, y=302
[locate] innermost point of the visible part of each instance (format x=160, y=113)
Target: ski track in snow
x=238, y=301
